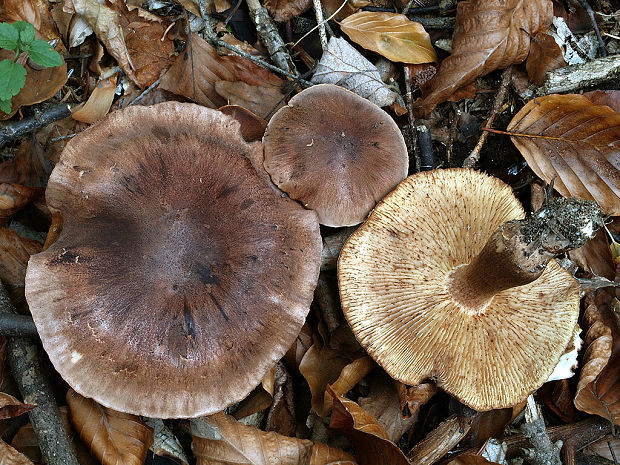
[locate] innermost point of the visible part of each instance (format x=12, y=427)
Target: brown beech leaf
x=348, y=378
x=115, y=438
x=98, y=103
x=220, y=439
x=595, y=256
x=14, y=197
x=488, y=35
x=411, y=398
x=611, y=98
x=545, y=55
x=165, y=443
x=35, y=12
x=260, y=398
x=569, y=139
x=196, y=70
x=8, y=455
x=369, y=439
x=598, y=390
x=470, y=460
x=260, y=100
x=283, y=10
x=15, y=251
x=11, y=407
x=252, y=126
x=392, y=35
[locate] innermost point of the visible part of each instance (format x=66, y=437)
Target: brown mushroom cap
x=335, y=152
x=395, y=293
x=180, y=276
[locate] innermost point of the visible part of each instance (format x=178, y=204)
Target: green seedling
x=18, y=37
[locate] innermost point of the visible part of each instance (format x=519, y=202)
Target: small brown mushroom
x=180, y=276
x=335, y=152
x=437, y=285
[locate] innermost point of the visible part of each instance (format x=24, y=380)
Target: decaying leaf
x=283, y=10
x=392, y=35
x=196, y=70
x=115, y=438
x=369, y=439
x=470, y=460
x=98, y=103
x=602, y=447
x=598, y=390
x=344, y=66
x=574, y=142
x=596, y=255
x=11, y=407
x=252, y=126
x=611, y=98
x=15, y=252
x=545, y=55
x=348, y=378
x=165, y=442
x=488, y=35
x=411, y=398
x=35, y=12
x=14, y=197
x=8, y=455
x=260, y=100
x=220, y=439
x=260, y=398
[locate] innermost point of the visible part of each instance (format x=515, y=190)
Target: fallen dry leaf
x=283, y=10
x=598, y=390
x=392, y=35
x=545, y=55
x=14, y=197
x=369, y=439
x=196, y=70
x=488, y=35
x=260, y=398
x=596, y=256
x=115, y=438
x=344, y=66
x=348, y=378
x=411, y=398
x=281, y=416
x=558, y=396
x=11, y=407
x=470, y=460
x=573, y=142
x=8, y=455
x=260, y=100
x=252, y=126
x=98, y=103
x=35, y=12
x=611, y=98
x=602, y=447
x=220, y=439
x=165, y=443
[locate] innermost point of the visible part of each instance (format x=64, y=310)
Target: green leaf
x=8, y=36
x=26, y=32
x=12, y=79
x=43, y=54
x=5, y=106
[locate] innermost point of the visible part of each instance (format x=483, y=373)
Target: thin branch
x=14, y=325
x=35, y=389
x=602, y=51
x=41, y=118
x=318, y=9
x=411, y=132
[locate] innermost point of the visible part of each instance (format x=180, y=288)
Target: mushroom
x=335, y=152
x=180, y=276
x=439, y=284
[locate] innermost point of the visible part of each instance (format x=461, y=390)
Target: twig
x=474, y=156
x=410, y=4
x=427, y=156
x=413, y=143
x=576, y=77
x=601, y=44
x=145, y=92
x=543, y=451
x=430, y=22
x=36, y=389
x=41, y=118
x=318, y=10
x=452, y=134
x=269, y=35
x=14, y=325
x=207, y=22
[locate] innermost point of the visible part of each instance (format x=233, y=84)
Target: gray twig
x=601, y=43
x=14, y=325
x=36, y=390
x=318, y=10
x=41, y=118
x=577, y=77
x=411, y=132
x=543, y=451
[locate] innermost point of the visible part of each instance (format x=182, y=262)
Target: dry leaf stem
x=474, y=156
x=36, y=389
x=576, y=77
x=268, y=32
x=42, y=117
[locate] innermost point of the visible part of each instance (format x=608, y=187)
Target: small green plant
x=19, y=37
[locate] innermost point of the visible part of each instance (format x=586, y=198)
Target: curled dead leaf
x=369, y=439
x=114, y=437
x=598, y=390
x=283, y=10
x=220, y=438
x=14, y=197
x=392, y=35
x=488, y=35
x=11, y=407
x=98, y=103
x=545, y=55
x=11, y=456
x=15, y=251
x=348, y=378
x=611, y=98
x=574, y=142
x=252, y=126
x=260, y=100
x=260, y=398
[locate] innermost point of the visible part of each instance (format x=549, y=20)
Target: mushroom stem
x=518, y=251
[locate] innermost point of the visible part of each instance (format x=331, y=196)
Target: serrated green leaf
x=26, y=32
x=12, y=79
x=43, y=54
x=8, y=36
x=5, y=106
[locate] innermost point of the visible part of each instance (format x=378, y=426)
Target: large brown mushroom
x=335, y=152
x=439, y=284
x=180, y=276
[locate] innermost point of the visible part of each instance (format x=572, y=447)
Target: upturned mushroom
x=180, y=276
x=335, y=152
x=440, y=284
